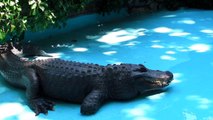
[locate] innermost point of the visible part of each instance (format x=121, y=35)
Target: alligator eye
x=143, y=69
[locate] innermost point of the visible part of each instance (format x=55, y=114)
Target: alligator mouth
x=160, y=82
x=157, y=83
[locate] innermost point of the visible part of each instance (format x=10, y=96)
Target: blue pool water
x=179, y=41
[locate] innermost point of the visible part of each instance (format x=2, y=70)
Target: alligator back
x=67, y=80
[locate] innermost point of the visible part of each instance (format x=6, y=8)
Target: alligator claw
x=41, y=106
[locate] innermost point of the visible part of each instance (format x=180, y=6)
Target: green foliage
x=17, y=16
x=10, y=18
x=40, y=16
x=63, y=9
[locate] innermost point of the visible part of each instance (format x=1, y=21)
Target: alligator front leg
x=36, y=102
x=93, y=102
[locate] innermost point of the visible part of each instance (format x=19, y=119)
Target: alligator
x=90, y=85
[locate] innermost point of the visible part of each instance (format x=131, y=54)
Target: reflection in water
x=132, y=43
x=119, y=36
x=156, y=97
x=109, y=52
x=200, y=47
x=177, y=78
x=169, y=16
x=62, y=46
x=157, y=46
x=189, y=116
x=170, y=52
x=140, y=112
x=195, y=38
x=203, y=103
x=167, y=57
x=179, y=34
x=187, y=21
x=9, y=110
x=6, y=111
x=162, y=30
x=172, y=32
x=80, y=49
x=209, y=31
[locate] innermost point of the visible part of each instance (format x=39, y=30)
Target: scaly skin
x=91, y=85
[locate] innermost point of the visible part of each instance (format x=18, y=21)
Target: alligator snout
x=170, y=75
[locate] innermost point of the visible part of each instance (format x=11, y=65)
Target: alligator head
x=5, y=48
x=147, y=80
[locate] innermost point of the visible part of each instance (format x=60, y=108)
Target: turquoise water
x=179, y=41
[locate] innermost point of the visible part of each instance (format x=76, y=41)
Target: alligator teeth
x=164, y=83
x=159, y=83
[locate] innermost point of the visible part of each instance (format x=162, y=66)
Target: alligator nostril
x=170, y=75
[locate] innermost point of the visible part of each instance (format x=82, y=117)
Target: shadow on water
x=155, y=92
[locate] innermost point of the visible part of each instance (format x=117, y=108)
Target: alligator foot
x=41, y=106
x=88, y=109
x=92, y=102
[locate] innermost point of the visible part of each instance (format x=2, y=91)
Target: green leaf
x=19, y=9
x=34, y=6
x=1, y=4
x=2, y=35
x=32, y=2
x=2, y=13
x=12, y=3
x=12, y=28
x=34, y=12
x=24, y=21
x=42, y=8
x=38, y=1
